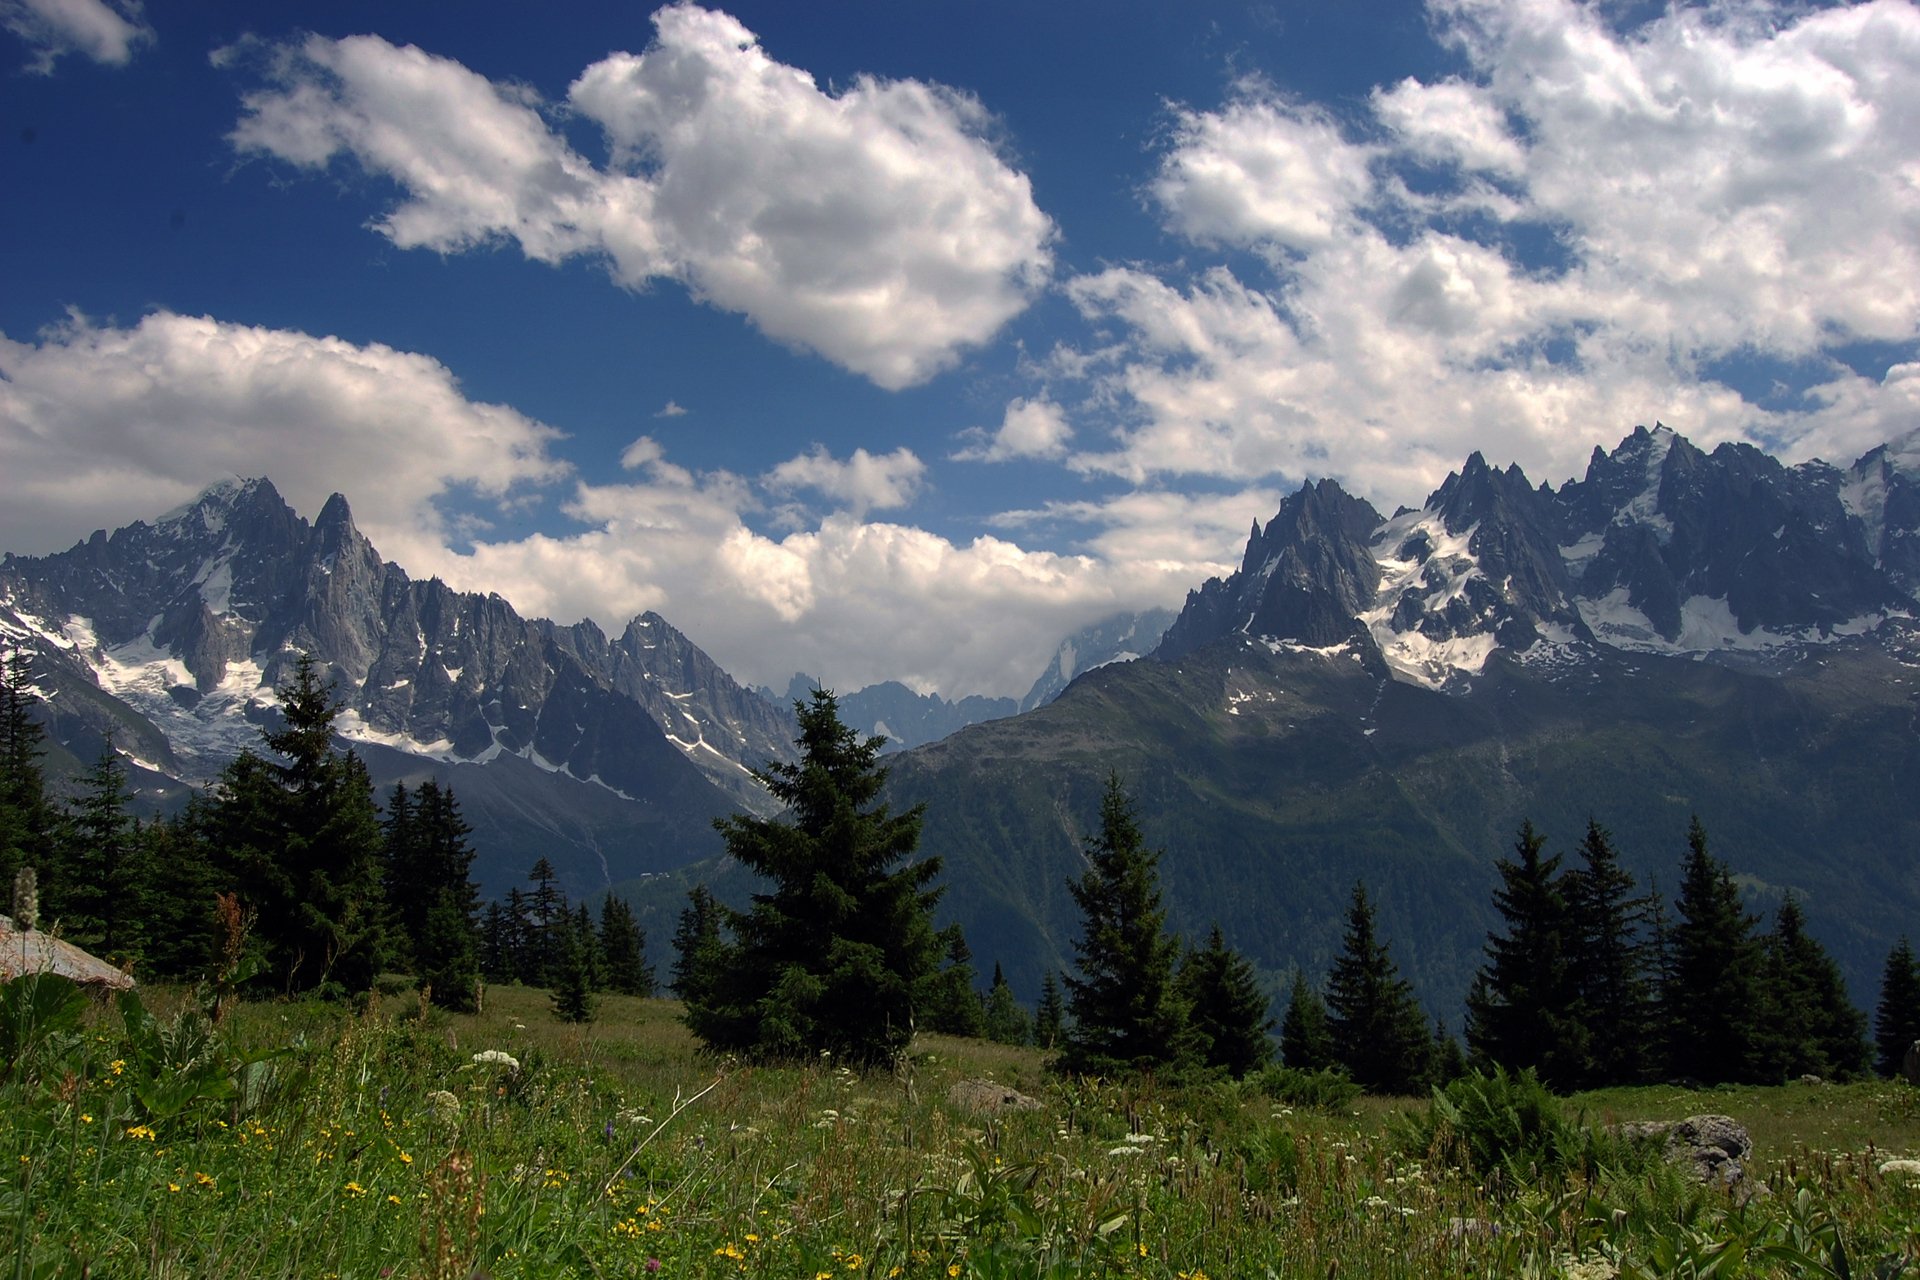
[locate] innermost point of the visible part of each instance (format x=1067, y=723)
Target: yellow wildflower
x=173, y=1186
x=117, y=1066
x=85, y=1118
x=203, y=1179
x=354, y=1189
x=140, y=1131
x=405, y=1158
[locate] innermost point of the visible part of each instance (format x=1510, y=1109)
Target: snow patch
x=1419, y=657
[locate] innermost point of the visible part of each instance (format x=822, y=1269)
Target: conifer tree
x=181, y=932
x=103, y=892
x=1896, y=1019
x=1127, y=1014
x=1005, y=1021
x=1306, y=1043
x=27, y=820
x=1710, y=992
x=1379, y=1032
x=1226, y=1008
x=698, y=950
x=1449, y=1061
x=572, y=995
x=1610, y=957
x=838, y=954
x=299, y=838
x=1523, y=1011
x=544, y=920
x=499, y=952
x=1810, y=1026
x=1050, y=1015
x=623, y=948
x=950, y=1004
x=588, y=940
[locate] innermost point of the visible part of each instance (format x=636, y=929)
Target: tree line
x=289, y=873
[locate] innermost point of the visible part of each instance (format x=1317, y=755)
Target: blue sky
x=897, y=341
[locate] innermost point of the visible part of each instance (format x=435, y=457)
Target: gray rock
x=986, y=1098
x=1713, y=1146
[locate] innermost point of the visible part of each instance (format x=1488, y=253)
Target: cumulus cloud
x=101, y=424
x=1573, y=237
x=864, y=482
x=107, y=33
x=877, y=226
x=1030, y=428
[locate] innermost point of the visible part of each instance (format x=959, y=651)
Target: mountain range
x=1367, y=697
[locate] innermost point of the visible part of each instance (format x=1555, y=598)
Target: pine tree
x=1050, y=1016
x=1306, y=1042
x=299, y=838
x=698, y=949
x=1449, y=1061
x=27, y=820
x=1710, y=992
x=624, y=949
x=588, y=940
x=181, y=933
x=949, y=1003
x=1226, y=1008
x=1896, y=1019
x=499, y=951
x=1810, y=1026
x=445, y=941
x=1611, y=963
x=1523, y=1010
x=1127, y=1015
x=572, y=995
x=1005, y=1022
x=103, y=894
x=836, y=955
x=543, y=923
x=1379, y=1033
x=404, y=876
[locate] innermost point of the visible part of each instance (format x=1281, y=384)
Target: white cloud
x=1729, y=182
x=877, y=226
x=1030, y=428
x=862, y=483
x=107, y=33
x=671, y=409
x=102, y=425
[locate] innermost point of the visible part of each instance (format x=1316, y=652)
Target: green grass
x=615, y=1149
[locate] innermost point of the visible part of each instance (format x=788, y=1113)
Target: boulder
x=1713, y=1146
x=985, y=1098
x=25, y=951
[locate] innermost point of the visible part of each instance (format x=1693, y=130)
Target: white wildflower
x=443, y=1103
x=496, y=1058
x=1910, y=1168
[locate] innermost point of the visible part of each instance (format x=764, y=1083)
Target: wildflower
x=85, y=1118
x=173, y=1188
x=118, y=1066
x=752, y=1238
x=405, y=1158
x=140, y=1131
x=496, y=1058
x=729, y=1250
x=203, y=1179
x=393, y=1199
x=653, y=1264
x=1909, y=1167
x=444, y=1104
x=354, y=1189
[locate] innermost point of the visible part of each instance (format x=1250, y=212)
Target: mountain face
x=1659, y=549
x=1386, y=698
x=1121, y=638
x=609, y=756
x=893, y=711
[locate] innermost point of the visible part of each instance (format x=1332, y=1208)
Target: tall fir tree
x=499, y=947
x=1127, y=1014
x=104, y=890
x=27, y=819
x=623, y=948
x=446, y=950
x=951, y=1004
x=1810, y=1026
x=698, y=948
x=183, y=928
x=1050, y=1014
x=544, y=919
x=1524, y=1010
x=1005, y=1021
x=1306, y=1042
x=1896, y=1018
x=838, y=955
x=588, y=940
x=1609, y=950
x=299, y=838
x=1379, y=1032
x=1226, y=1008
x=572, y=994
x=1710, y=992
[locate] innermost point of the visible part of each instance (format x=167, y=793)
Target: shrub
x=1328, y=1089
x=1507, y=1129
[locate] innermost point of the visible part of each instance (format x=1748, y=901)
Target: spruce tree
x=1896, y=1019
x=572, y=994
x=1810, y=1026
x=544, y=921
x=1226, y=1008
x=104, y=890
x=623, y=948
x=1710, y=992
x=949, y=1004
x=588, y=940
x=698, y=949
x=182, y=931
x=27, y=819
x=1609, y=950
x=445, y=950
x=1306, y=1042
x=1127, y=1015
x=1004, y=1021
x=1050, y=1015
x=499, y=952
x=1523, y=1011
x=837, y=954
x=1379, y=1032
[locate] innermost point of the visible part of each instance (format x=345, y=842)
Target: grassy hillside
x=388, y=1145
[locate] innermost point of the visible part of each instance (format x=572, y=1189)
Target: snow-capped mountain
x=171, y=636
x=1121, y=638
x=1659, y=548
